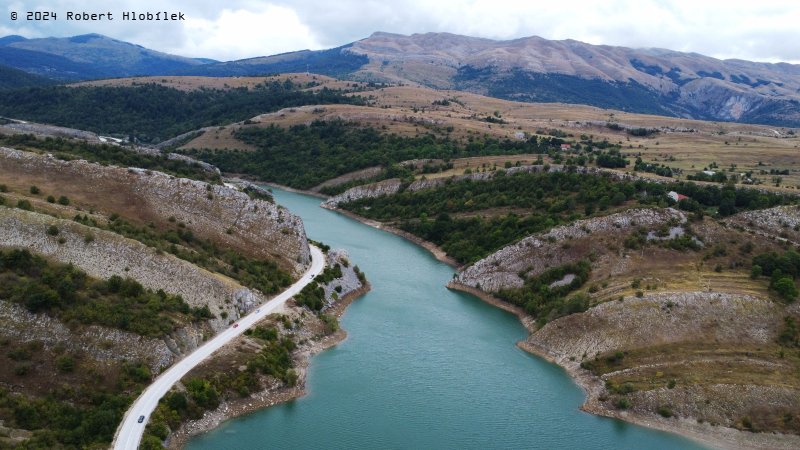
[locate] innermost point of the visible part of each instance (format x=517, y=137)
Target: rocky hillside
x=535, y=69
x=226, y=216
x=696, y=362
x=782, y=223
x=561, y=245
x=109, y=254
x=679, y=337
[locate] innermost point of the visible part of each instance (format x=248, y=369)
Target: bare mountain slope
x=536, y=69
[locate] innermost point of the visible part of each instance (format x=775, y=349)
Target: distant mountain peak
x=87, y=56
x=10, y=39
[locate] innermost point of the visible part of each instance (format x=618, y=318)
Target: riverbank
x=274, y=394
x=593, y=387
x=434, y=249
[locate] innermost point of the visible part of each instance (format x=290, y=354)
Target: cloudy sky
x=755, y=30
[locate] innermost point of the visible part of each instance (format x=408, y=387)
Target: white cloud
x=236, y=34
x=245, y=28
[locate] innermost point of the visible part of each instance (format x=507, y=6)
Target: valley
x=650, y=250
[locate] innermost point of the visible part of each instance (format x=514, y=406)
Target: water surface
x=424, y=368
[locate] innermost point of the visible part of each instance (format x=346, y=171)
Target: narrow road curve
x=129, y=434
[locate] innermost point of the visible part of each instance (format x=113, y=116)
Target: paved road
x=129, y=433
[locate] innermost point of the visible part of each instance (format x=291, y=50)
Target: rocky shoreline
x=273, y=395
x=593, y=387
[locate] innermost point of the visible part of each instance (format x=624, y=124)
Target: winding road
x=129, y=433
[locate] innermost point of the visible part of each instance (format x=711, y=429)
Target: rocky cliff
x=218, y=213
x=109, y=254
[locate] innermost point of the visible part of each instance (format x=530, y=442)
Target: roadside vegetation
x=83, y=408
x=83, y=413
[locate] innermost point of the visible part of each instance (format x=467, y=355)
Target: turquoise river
x=424, y=368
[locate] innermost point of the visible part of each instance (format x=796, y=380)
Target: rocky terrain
x=698, y=363
x=182, y=235
x=534, y=254
x=224, y=215
x=110, y=254
x=782, y=222
x=659, y=319
x=100, y=343
x=666, y=342
x=536, y=69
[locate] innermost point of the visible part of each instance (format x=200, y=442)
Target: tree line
x=152, y=113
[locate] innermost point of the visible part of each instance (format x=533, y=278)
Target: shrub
x=65, y=364
x=622, y=403
x=665, y=411
x=24, y=204
x=786, y=288
x=34, y=190
x=51, y=199
x=52, y=230
x=63, y=200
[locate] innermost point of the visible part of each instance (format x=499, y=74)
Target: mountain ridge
x=531, y=69
x=87, y=56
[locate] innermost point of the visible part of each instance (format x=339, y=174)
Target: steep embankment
x=123, y=271
x=533, y=255
x=709, y=355
x=225, y=216
x=107, y=254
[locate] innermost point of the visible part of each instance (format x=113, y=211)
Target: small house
x=675, y=196
x=566, y=146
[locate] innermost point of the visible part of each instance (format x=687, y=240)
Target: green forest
x=448, y=215
x=152, y=113
x=546, y=301
x=306, y=155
